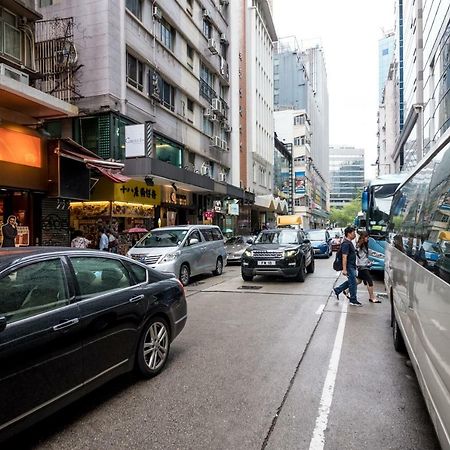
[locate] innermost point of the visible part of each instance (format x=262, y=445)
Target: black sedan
x=72, y=319
x=281, y=251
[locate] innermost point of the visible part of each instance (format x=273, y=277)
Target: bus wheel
x=399, y=343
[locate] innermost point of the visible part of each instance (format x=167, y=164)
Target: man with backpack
x=347, y=253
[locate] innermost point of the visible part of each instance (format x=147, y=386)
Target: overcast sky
x=349, y=32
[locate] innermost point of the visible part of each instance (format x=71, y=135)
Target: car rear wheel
x=153, y=348
x=185, y=274
x=301, y=276
x=219, y=267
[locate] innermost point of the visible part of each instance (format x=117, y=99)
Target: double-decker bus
x=417, y=278
x=376, y=204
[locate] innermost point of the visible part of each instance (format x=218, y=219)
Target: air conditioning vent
x=212, y=46
x=222, y=176
x=157, y=13
x=217, y=105
x=224, y=145
x=14, y=74
x=216, y=141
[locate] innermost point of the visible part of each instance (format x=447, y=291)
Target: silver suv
x=184, y=250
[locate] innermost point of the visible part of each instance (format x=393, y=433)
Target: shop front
x=23, y=180
x=177, y=207
x=120, y=207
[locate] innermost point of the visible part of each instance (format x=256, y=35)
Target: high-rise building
x=422, y=35
x=165, y=66
x=300, y=82
x=386, y=47
x=347, y=174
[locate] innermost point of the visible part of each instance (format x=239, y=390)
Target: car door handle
x=66, y=324
x=136, y=299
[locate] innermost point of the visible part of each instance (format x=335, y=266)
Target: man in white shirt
x=103, y=241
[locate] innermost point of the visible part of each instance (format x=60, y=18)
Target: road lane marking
x=320, y=309
x=318, y=438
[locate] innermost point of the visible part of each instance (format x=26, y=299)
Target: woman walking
x=363, y=264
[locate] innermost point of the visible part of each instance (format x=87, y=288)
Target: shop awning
x=112, y=175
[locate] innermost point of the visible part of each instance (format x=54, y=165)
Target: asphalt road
x=248, y=372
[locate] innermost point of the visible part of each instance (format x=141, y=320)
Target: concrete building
x=422, y=35
x=386, y=48
x=301, y=101
x=347, y=174
x=164, y=66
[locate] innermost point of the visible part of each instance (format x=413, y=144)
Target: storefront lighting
x=75, y=204
x=134, y=204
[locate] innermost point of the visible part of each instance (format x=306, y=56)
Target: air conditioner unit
x=214, y=118
x=15, y=74
x=207, y=113
x=224, y=145
x=224, y=2
x=212, y=46
x=223, y=38
x=206, y=14
x=222, y=176
x=216, y=105
x=157, y=13
x=204, y=170
x=216, y=142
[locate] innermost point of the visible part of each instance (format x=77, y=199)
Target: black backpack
x=337, y=263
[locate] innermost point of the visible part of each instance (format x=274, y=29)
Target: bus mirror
x=365, y=201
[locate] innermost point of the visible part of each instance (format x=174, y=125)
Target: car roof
x=9, y=256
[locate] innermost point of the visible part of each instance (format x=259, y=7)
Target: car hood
x=273, y=247
x=152, y=251
x=233, y=248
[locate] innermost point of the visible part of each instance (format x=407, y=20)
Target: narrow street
x=248, y=372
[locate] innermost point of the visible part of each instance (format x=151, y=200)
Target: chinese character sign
x=300, y=183
x=137, y=192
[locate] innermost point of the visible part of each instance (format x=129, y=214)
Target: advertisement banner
x=300, y=183
x=233, y=209
x=134, y=140
x=285, y=182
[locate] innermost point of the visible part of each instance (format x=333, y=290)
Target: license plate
x=316, y=250
x=266, y=263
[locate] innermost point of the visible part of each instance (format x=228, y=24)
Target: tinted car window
x=207, y=234
x=33, y=289
x=217, y=235
x=139, y=272
x=97, y=275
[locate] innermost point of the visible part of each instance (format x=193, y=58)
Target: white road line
x=318, y=438
x=320, y=309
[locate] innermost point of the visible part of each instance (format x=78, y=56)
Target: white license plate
x=316, y=250
x=266, y=263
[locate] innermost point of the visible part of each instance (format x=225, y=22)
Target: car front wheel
x=246, y=277
x=301, y=276
x=311, y=267
x=153, y=348
x=185, y=274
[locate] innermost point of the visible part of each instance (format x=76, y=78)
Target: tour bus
x=417, y=278
x=376, y=204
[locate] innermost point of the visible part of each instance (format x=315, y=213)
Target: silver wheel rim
x=156, y=345
x=219, y=266
x=184, y=276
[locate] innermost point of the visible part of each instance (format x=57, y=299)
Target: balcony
x=206, y=91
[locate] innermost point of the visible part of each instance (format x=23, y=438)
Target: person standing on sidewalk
x=348, y=267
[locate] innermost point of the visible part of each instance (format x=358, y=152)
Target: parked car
x=235, y=246
x=72, y=319
x=284, y=252
x=321, y=242
x=336, y=238
x=183, y=250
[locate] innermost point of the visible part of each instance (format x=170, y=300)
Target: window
x=217, y=235
x=43, y=3
x=299, y=140
x=32, y=290
x=194, y=235
x=189, y=52
x=299, y=120
x=139, y=272
x=207, y=28
x=167, y=95
x=135, y=72
x=166, y=34
x=190, y=105
x=207, y=234
x=135, y=6
x=208, y=127
x=98, y=275
x=9, y=34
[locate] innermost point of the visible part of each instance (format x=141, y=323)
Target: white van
x=185, y=250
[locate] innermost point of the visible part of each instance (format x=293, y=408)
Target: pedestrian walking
x=363, y=264
x=112, y=241
x=103, y=243
x=79, y=241
x=9, y=232
x=348, y=267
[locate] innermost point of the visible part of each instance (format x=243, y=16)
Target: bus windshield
x=380, y=205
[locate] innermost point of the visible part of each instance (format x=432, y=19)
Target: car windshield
x=278, y=237
x=162, y=238
x=316, y=235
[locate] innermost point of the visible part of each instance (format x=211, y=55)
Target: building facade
x=347, y=174
x=301, y=120
x=165, y=67
x=386, y=47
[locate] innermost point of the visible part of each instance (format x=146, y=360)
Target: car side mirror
x=193, y=241
x=3, y=323
x=250, y=241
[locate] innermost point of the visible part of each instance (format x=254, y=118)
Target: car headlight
x=170, y=257
x=248, y=252
x=375, y=254
x=290, y=253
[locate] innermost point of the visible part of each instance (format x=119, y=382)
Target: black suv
x=280, y=251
